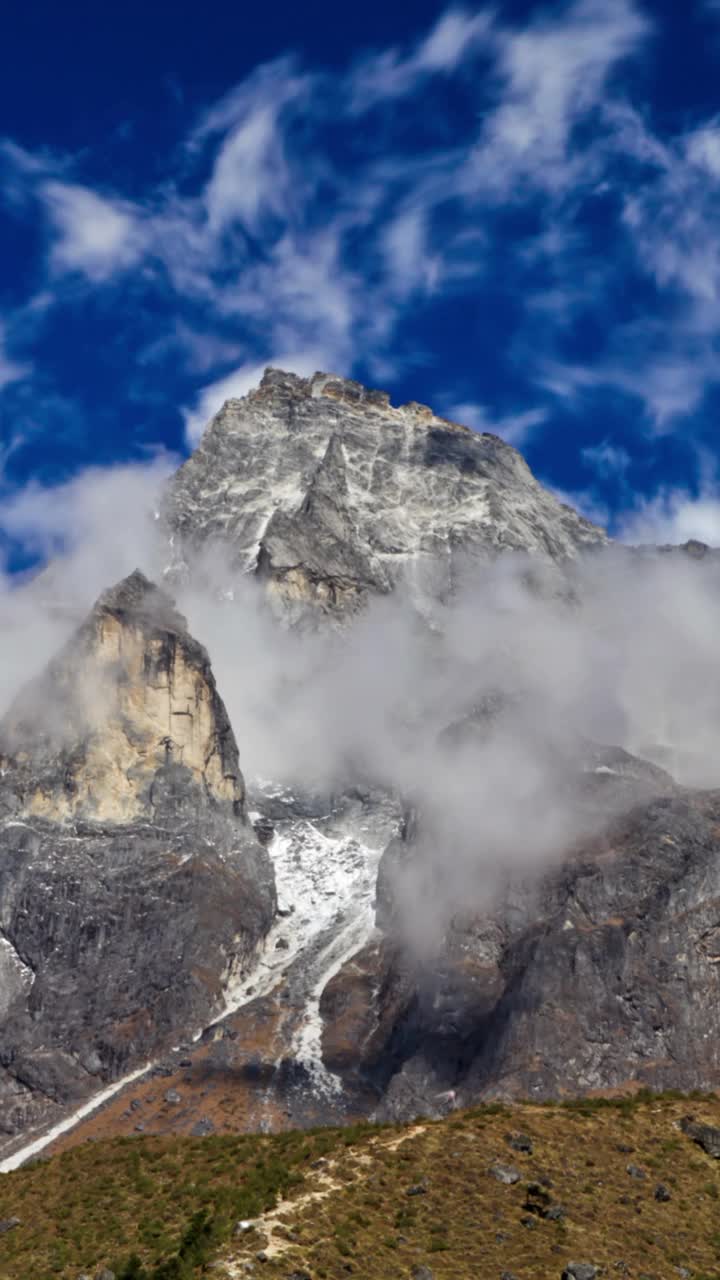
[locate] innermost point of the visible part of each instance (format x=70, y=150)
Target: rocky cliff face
x=328, y=493
x=598, y=974
x=132, y=886
x=131, y=699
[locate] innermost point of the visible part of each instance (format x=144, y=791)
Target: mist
x=477, y=714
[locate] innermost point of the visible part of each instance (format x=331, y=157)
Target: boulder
x=505, y=1173
x=706, y=1136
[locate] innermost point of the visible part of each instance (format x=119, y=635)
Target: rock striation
x=132, y=885
x=329, y=494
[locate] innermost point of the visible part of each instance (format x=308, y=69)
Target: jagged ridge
x=322, y=488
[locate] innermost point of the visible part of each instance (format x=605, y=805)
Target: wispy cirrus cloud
x=96, y=235
x=607, y=459
x=290, y=225
x=395, y=73
x=11, y=370
x=552, y=74
x=515, y=428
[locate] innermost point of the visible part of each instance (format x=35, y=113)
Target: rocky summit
x=329, y=494
x=132, y=885
x=127, y=710
x=306, y=950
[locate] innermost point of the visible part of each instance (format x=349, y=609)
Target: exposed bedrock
x=600, y=974
x=131, y=882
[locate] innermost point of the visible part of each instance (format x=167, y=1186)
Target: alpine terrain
x=448, y=871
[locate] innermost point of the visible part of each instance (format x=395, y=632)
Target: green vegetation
x=377, y=1201
x=150, y=1209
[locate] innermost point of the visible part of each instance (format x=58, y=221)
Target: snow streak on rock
x=326, y=872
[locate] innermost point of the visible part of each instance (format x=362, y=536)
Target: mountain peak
x=329, y=494
x=135, y=598
x=280, y=384
x=126, y=709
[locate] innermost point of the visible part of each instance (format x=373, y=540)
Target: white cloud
x=674, y=516
x=10, y=370
x=392, y=74
x=248, y=172
x=671, y=383
x=515, y=428
x=335, y=251
x=703, y=148
x=585, y=501
x=607, y=459
x=251, y=174
x=99, y=522
x=454, y=35
x=410, y=263
x=212, y=397
x=200, y=350
x=95, y=235
x=554, y=73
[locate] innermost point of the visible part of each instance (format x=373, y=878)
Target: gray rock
x=172, y=1096
x=598, y=1003
x=505, y=1173
x=555, y=1213
x=335, y=495
x=421, y=1273
x=202, y=1127
x=634, y=1171
x=8, y=1224
x=706, y=1136
x=580, y=1271
x=123, y=898
x=662, y=1193
x=539, y=1201
x=105, y=1274
x=520, y=1142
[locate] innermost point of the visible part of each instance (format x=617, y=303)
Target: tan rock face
x=131, y=700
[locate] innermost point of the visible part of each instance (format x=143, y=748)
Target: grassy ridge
x=163, y=1208
x=156, y=1207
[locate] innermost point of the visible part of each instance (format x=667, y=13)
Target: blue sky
x=508, y=213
